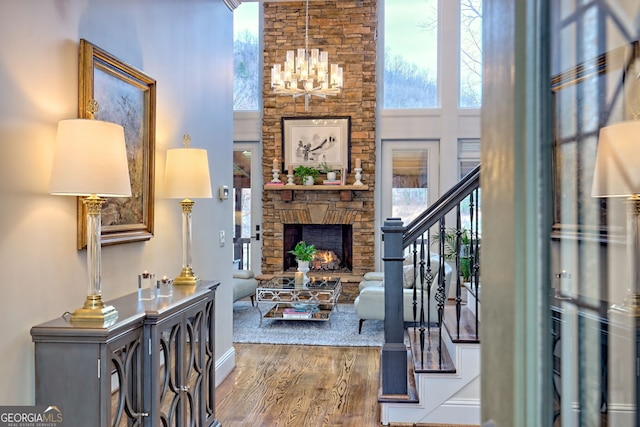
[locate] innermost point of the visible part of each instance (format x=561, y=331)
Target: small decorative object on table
x=165, y=287
x=146, y=287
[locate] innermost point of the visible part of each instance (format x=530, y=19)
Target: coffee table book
x=295, y=313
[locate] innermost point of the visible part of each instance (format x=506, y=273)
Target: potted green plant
x=306, y=174
x=450, y=240
x=304, y=254
x=325, y=168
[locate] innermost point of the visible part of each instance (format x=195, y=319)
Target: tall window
x=411, y=54
x=412, y=73
x=246, y=58
x=470, y=53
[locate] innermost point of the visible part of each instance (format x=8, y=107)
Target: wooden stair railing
x=460, y=245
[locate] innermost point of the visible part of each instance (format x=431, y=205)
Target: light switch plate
x=223, y=192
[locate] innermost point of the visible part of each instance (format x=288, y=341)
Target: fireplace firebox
x=332, y=241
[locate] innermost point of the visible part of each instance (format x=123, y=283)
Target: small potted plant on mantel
x=306, y=174
x=325, y=168
x=304, y=254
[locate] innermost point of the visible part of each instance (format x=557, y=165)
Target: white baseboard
x=225, y=365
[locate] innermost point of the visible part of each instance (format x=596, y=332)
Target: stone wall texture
x=347, y=31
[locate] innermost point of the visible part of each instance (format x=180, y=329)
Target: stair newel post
x=394, y=351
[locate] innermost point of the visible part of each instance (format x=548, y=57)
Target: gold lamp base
x=186, y=277
x=94, y=311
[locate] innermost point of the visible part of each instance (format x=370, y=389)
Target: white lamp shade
x=90, y=157
x=187, y=174
x=617, y=170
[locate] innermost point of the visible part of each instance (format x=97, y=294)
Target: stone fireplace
x=337, y=220
x=347, y=31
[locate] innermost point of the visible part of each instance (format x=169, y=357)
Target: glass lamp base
x=94, y=311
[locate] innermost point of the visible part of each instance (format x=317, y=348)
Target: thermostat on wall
x=223, y=192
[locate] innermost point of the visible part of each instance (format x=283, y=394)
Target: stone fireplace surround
x=320, y=207
x=347, y=31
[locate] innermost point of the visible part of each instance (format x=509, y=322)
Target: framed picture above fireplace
x=312, y=141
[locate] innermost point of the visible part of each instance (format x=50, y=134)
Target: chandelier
x=306, y=73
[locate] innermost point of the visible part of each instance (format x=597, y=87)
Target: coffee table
x=312, y=301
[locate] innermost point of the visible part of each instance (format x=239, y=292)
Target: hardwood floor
x=301, y=386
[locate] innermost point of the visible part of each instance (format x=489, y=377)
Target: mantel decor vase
x=308, y=180
x=303, y=267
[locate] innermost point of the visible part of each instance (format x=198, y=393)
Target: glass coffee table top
x=314, y=300
x=289, y=282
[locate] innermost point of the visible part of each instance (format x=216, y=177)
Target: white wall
x=187, y=47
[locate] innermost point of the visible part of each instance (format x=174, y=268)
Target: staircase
x=443, y=360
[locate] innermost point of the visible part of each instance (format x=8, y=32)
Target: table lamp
x=617, y=174
x=90, y=160
x=187, y=177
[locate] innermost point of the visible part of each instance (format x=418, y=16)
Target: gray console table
x=154, y=367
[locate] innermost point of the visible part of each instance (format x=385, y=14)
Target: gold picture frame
x=125, y=96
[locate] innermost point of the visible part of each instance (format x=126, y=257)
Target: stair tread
x=467, y=332
x=431, y=360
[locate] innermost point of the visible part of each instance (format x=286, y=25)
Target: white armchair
x=369, y=303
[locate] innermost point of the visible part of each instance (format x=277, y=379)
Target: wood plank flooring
x=301, y=386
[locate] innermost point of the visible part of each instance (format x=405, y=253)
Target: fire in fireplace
x=325, y=261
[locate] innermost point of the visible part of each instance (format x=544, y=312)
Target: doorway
x=247, y=243
x=410, y=180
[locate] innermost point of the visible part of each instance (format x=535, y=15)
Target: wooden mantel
x=286, y=191
x=316, y=187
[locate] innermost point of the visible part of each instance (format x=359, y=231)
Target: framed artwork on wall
x=311, y=141
x=125, y=96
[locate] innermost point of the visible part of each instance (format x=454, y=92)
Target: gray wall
x=187, y=47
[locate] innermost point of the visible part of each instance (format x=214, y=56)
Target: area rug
x=341, y=331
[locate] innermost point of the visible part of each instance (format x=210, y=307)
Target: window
x=468, y=159
x=468, y=155
x=470, y=53
x=409, y=193
x=411, y=54
x=411, y=67
x=246, y=58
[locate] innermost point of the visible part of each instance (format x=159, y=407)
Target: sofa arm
x=244, y=284
x=374, y=275
x=369, y=304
